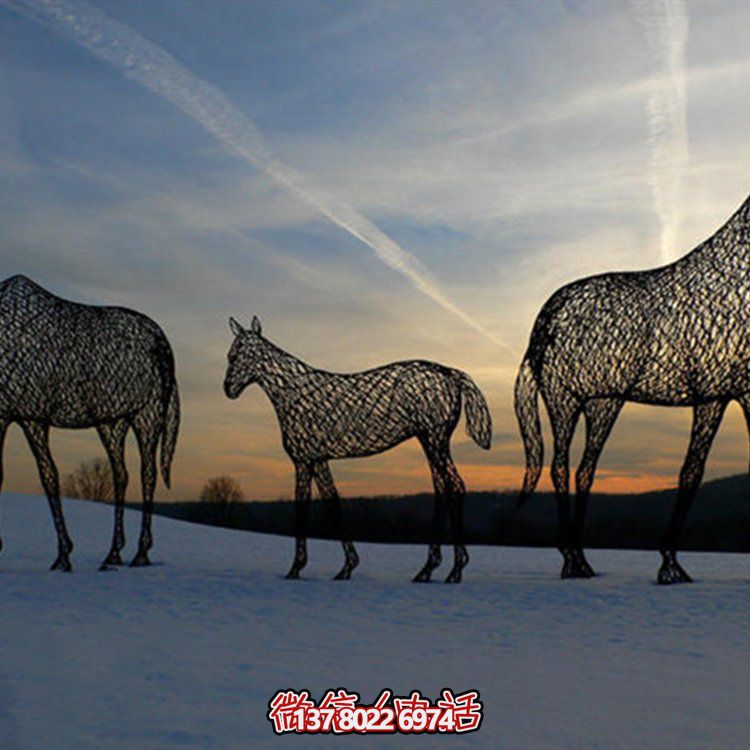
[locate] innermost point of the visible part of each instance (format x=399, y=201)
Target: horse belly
x=114, y=395
x=68, y=399
x=676, y=373
x=366, y=442
x=687, y=387
x=588, y=373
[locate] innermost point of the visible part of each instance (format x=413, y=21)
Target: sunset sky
x=486, y=153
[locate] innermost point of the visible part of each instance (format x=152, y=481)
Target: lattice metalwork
x=325, y=415
x=678, y=335
x=68, y=365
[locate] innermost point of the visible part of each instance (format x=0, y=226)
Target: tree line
x=92, y=480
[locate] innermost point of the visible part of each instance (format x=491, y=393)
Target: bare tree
x=222, y=493
x=222, y=490
x=92, y=480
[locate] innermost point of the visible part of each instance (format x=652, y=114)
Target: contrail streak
x=158, y=71
x=665, y=24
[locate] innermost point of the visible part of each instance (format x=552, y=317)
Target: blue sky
x=507, y=147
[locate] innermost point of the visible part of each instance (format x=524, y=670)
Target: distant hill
x=719, y=519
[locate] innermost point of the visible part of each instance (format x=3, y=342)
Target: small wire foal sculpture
x=325, y=415
x=64, y=364
x=678, y=335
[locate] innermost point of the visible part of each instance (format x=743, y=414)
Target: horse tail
x=169, y=432
x=478, y=418
x=527, y=412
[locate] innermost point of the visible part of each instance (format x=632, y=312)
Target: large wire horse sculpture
x=678, y=335
x=64, y=364
x=325, y=415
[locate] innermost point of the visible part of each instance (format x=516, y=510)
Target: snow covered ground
x=186, y=654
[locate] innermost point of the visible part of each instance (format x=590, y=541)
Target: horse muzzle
x=232, y=389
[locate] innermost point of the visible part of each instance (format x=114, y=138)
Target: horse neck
x=729, y=247
x=281, y=373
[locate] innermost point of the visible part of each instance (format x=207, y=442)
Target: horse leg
x=456, y=494
x=147, y=428
x=744, y=402
x=563, y=416
x=113, y=439
x=600, y=415
x=303, y=478
x=434, y=556
x=3, y=429
x=38, y=438
x=706, y=420
x=328, y=492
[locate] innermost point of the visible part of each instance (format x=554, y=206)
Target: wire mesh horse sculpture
x=326, y=415
x=678, y=335
x=64, y=364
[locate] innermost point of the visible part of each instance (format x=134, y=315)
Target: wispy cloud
x=665, y=24
x=517, y=163
x=158, y=71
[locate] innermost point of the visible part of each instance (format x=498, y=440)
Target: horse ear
x=255, y=325
x=235, y=327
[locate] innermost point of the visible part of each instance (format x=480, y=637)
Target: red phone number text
x=340, y=712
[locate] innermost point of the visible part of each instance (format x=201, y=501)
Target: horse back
x=348, y=415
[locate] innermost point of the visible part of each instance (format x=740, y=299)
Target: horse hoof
x=569, y=573
x=671, y=574
x=105, y=567
x=576, y=566
x=292, y=575
x=140, y=560
x=111, y=560
x=671, y=571
x=343, y=575
x=62, y=563
x=454, y=577
x=567, y=570
x=423, y=576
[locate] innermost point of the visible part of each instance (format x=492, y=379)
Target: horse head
x=245, y=357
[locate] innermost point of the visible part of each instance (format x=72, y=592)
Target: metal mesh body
x=678, y=335
x=64, y=364
x=325, y=415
